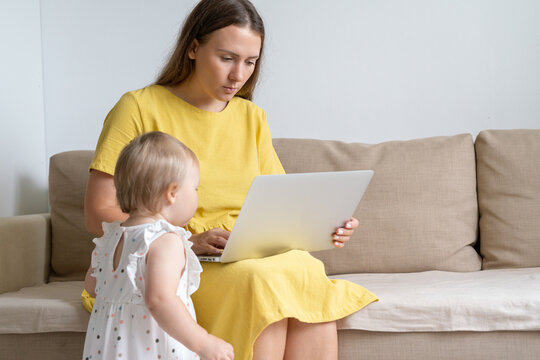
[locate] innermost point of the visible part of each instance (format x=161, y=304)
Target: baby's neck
x=138, y=218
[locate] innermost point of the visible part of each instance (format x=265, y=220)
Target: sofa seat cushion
x=488, y=300
x=47, y=308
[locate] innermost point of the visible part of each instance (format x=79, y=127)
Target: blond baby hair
x=145, y=169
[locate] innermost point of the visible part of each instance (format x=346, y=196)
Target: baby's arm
x=165, y=263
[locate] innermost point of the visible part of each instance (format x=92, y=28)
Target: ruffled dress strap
x=193, y=266
x=152, y=232
x=103, y=244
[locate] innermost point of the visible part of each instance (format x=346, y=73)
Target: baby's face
x=187, y=199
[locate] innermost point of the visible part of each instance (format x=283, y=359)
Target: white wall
x=351, y=70
x=372, y=71
x=93, y=52
x=23, y=174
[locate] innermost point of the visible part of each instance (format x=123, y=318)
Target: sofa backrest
x=71, y=244
x=508, y=166
x=419, y=212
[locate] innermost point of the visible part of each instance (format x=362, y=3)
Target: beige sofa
x=449, y=239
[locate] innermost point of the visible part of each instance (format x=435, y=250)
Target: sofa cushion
x=489, y=300
x=71, y=243
x=419, y=211
x=46, y=308
x=509, y=197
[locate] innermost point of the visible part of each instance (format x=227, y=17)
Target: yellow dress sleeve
x=87, y=301
x=269, y=163
x=122, y=124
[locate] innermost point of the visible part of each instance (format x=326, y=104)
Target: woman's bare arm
x=100, y=202
x=90, y=283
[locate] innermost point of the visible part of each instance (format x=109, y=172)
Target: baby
x=144, y=268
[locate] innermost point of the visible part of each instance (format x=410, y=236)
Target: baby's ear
x=170, y=195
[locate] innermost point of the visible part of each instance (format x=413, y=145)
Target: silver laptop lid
x=294, y=211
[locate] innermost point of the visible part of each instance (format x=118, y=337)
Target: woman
x=272, y=308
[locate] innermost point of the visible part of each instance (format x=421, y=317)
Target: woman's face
x=225, y=62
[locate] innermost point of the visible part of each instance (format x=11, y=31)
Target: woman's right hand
x=210, y=242
x=216, y=349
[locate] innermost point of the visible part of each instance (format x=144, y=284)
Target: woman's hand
x=343, y=234
x=90, y=282
x=210, y=242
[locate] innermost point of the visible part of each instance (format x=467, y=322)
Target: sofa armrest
x=25, y=251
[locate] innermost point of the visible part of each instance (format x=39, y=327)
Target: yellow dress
x=235, y=301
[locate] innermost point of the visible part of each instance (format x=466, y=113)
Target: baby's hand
x=216, y=349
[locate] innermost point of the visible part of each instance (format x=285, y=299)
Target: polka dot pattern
x=121, y=327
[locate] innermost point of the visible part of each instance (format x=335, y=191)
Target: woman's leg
x=270, y=344
x=311, y=341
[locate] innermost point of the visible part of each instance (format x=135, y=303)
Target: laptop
x=293, y=211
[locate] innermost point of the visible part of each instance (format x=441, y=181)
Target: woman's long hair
x=207, y=17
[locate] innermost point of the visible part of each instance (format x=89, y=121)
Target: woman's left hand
x=343, y=234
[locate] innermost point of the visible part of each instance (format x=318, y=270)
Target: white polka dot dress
x=121, y=326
